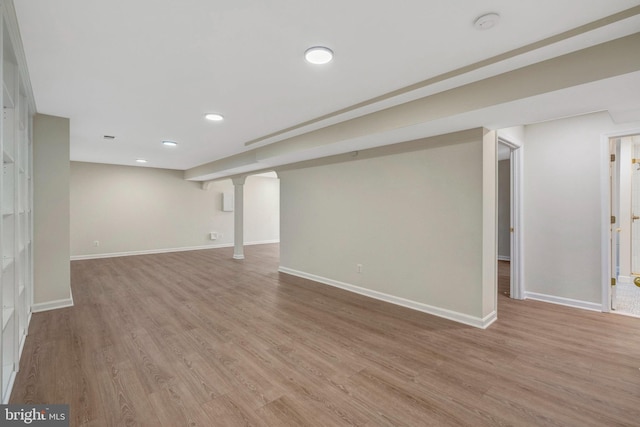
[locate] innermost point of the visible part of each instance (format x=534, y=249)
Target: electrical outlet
x=359, y=268
x=96, y=243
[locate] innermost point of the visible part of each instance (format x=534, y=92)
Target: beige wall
x=261, y=209
x=51, y=212
x=414, y=221
x=138, y=209
x=562, y=206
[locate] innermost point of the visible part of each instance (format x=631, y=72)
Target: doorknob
x=635, y=217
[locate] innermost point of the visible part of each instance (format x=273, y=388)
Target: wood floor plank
x=196, y=338
x=230, y=410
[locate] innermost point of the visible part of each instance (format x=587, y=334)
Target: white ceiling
x=148, y=70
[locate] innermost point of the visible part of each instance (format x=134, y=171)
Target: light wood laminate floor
x=196, y=338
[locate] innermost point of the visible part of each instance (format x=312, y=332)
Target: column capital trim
x=238, y=180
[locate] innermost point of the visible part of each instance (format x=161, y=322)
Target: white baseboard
x=23, y=340
x=262, y=242
x=12, y=379
x=585, y=305
x=504, y=258
x=436, y=311
x=52, y=305
x=166, y=250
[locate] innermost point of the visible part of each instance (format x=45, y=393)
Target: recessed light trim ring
x=318, y=55
x=214, y=117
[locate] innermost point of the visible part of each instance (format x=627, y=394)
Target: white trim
x=585, y=305
x=262, y=242
x=23, y=340
x=52, y=305
x=504, y=258
x=477, y=322
x=148, y=252
x=167, y=250
x=517, y=283
x=12, y=379
x=605, y=231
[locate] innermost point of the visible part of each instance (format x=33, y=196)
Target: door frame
x=606, y=255
x=517, y=251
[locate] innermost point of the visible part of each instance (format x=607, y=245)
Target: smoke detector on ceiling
x=487, y=21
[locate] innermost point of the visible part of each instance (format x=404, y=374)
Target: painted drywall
x=413, y=221
x=489, y=214
x=562, y=206
x=261, y=209
x=513, y=135
x=52, y=277
x=504, y=209
x=138, y=209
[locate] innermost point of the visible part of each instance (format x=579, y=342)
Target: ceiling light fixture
x=487, y=21
x=169, y=143
x=318, y=55
x=214, y=117
x=141, y=161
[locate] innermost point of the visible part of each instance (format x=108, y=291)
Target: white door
x=635, y=207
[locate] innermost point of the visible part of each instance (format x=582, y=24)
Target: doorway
x=504, y=220
x=624, y=200
x=510, y=276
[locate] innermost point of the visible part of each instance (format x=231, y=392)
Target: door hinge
x=613, y=219
x=613, y=281
x=613, y=157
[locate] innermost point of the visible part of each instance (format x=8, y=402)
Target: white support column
x=238, y=217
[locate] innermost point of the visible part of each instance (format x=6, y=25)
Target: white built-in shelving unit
x=16, y=201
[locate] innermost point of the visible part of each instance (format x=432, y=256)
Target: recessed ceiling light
x=141, y=161
x=169, y=143
x=486, y=22
x=318, y=55
x=214, y=117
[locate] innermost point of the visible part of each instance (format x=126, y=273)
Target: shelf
x=6, y=262
x=7, y=158
x=8, y=375
x=16, y=201
x=8, y=99
x=7, y=313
